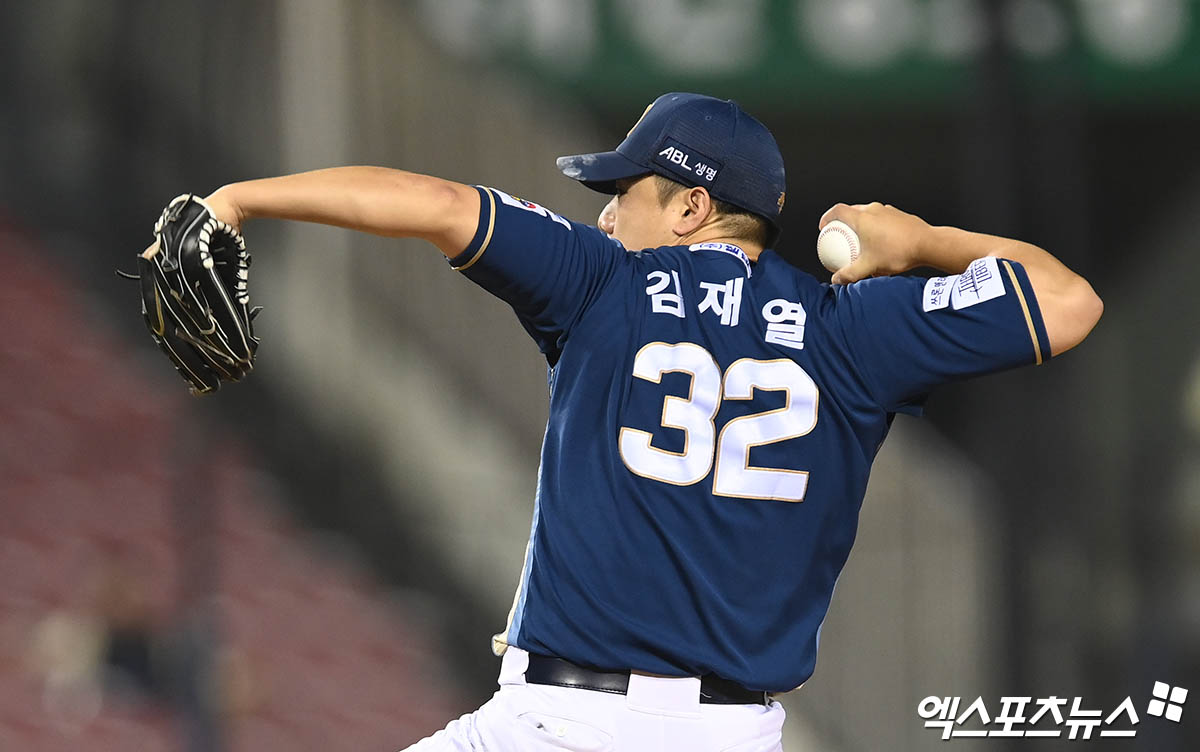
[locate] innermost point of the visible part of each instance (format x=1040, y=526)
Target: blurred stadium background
x=321, y=569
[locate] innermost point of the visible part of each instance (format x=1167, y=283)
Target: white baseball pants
x=657, y=715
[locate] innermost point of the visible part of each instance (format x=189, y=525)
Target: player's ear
x=607, y=221
x=693, y=211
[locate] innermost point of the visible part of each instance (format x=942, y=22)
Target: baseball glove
x=195, y=295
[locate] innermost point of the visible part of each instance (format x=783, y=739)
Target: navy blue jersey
x=712, y=425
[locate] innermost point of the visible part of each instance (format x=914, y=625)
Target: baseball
x=837, y=245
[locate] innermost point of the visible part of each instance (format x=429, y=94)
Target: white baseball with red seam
x=837, y=245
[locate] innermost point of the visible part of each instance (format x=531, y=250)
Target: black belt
x=559, y=672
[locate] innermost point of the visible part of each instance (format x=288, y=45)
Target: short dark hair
x=742, y=224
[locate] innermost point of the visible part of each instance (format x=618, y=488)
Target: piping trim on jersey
x=513, y=629
x=501, y=641
x=486, y=238
x=1037, y=348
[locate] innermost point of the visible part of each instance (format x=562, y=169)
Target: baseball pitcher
x=714, y=412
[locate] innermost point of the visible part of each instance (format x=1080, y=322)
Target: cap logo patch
x=782, y=196
x=639, y=120
x=687, y=162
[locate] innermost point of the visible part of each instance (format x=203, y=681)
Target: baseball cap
x=695, y=140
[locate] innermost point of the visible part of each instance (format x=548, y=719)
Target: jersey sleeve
x=908, y=335
x=549, y=269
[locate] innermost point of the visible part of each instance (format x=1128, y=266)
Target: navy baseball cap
x=697, y=141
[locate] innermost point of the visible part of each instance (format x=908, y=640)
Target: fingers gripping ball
x=195, y=295
x=837, y=245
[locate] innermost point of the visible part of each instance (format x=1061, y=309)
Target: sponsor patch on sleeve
x=980, y=282
x=937, y=292
x=529, y=206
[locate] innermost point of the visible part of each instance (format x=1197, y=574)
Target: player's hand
x=891, y=239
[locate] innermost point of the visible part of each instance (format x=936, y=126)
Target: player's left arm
x=894, y=242
x=549, y=269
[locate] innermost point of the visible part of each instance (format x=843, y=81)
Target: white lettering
x=665, y=298
x=724, y=299
x=785, y=323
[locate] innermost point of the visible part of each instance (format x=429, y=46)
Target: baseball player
x=714, y=413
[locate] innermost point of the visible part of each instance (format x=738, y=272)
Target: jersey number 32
x=695, y=415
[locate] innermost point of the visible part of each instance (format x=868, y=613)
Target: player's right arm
x=378, y=200
x=894, y=242
x=1007, y=304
